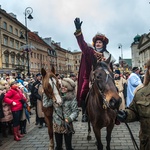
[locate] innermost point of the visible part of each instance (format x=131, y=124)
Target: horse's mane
x=147, y=75
x=48, y=89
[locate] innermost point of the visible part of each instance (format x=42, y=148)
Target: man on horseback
x=99, y=51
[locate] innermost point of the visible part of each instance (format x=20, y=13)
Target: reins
x=132, y=137
x=106, y=105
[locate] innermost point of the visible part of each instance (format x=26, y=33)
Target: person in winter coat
x=120, y=82
x=15, y=98
x=6, y=121
x=64, y=115
x=139, y=110
x=132, y=82
x=99, y=51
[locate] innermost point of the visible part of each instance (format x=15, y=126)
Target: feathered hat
x=68, y=83
x=101, y=37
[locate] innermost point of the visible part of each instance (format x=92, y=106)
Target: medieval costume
x=88, y=52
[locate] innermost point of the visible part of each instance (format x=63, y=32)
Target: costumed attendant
x=69, y=112
x=14, y=97
x=99, y=51
x=139, y=110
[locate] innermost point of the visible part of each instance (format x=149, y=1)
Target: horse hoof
x=89, y=137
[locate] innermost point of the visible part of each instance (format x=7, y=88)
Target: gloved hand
x=77, y=23
x=122, y=115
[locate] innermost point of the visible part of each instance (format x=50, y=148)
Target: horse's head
x=46, y=81
x=102, y=77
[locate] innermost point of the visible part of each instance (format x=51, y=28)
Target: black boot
x=21, y=127
x=41, y=122
x=68, y=141
x=59, y=140
x=84, y=115
x=24, y=124
x=10, y=128
x=4, y=129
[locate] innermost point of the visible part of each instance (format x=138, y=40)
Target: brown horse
x=51, y=95
x=102, y=100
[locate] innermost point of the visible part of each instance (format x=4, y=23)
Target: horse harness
x=105, y=103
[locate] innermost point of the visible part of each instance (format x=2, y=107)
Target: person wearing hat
x=6, y=121
x=14, y=97
x=139, y=110
x=99, y=51
x=132, y=82
x=120, y=82
x=35, y=95
x=69, y=111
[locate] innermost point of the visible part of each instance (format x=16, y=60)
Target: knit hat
x=135, y=69
x=101, y=37
x=68, y=83
x=117, y=72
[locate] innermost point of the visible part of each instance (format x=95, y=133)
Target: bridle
x=108, y=75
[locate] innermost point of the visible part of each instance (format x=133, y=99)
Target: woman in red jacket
x=14, y=97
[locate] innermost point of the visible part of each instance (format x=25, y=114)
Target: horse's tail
x=89, y=130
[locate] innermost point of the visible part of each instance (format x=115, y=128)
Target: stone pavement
x=37, y=139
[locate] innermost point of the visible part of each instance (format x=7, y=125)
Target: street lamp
x=28, y=12
x=120, y=47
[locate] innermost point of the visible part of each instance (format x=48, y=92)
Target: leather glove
x=77, y=23
x=122, y=115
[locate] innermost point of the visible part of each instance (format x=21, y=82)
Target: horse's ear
x=43, y=72
x=53, y=70
x=108, y=60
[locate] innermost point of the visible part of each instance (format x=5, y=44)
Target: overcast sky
x=119, y=20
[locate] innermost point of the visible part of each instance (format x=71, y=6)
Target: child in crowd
x=65, y=115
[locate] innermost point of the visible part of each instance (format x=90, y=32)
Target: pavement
x=38, y=139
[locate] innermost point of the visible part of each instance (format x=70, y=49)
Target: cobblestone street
x=38, y=139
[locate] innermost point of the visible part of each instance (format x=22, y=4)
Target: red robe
x=84, y=69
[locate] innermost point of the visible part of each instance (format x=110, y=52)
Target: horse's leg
x=49, y=122
x=97, y=133
x=108, y=137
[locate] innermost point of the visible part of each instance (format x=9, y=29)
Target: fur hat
x=3, y=82
x=101, y=37
x=69, y=84
x=11, y=82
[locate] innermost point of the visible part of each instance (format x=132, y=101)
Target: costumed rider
x=99, y=51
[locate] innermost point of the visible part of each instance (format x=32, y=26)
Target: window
x=18, y=60
x=5, y=40
x=11, y=29
x=16, y=32
x=5, y=25
x=37, y=56
x=12, y=43
x=17, y=45
x=13, y=60
x=7, y=60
